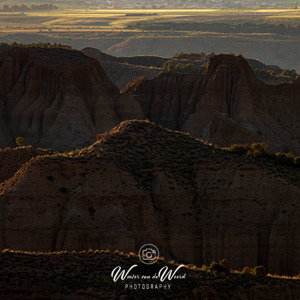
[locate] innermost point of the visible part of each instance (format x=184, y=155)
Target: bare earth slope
x=13, y=159
x=269, y=48
x=60, y=99
x=87, y=275
x=122, y=70
x=143, y=183
x=56, y=98
x=228, y=86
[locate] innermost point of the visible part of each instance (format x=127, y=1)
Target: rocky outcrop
x=228, y=86
x=56, y=98
x=141, y=183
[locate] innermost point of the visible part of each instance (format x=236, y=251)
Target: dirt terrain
x=141, y=182
x=61, y=99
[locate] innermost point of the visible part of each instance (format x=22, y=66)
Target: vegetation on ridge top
x=91, y=269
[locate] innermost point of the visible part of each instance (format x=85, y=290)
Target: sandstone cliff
x=56, y=98
x=142, y=183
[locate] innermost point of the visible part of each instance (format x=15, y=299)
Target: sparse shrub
x=240, y=149
x=222, y=266
x=297, y=161
x=258, y=150
x=20, y=141
x=289, y=157
x=264, y=74
x=214, y=267
x=225, y=265
x=259, y=271
x=205, y=268
x=249, y=153
x=284, y=158
x=48, y=150
x=4, y=46
x=178, y=68
x=247, y=270
x=192, y=55
x=289, y=73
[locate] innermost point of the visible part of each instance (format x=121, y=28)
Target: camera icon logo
x=148, y=254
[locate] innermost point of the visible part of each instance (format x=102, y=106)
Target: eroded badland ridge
x=61, y=99
x=56, y=98
x=142, y=182
x=190, y=102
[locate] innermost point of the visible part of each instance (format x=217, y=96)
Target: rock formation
x=56, y=98
x=61, y=99
x=141, y=183
x=189, y=102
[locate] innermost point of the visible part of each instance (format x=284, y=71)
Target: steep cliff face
x=228, y=86
x=56, y=98
x=61, y=99
x=142, y=183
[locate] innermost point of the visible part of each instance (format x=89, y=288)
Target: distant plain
x=91, y=20
x=108, y=31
